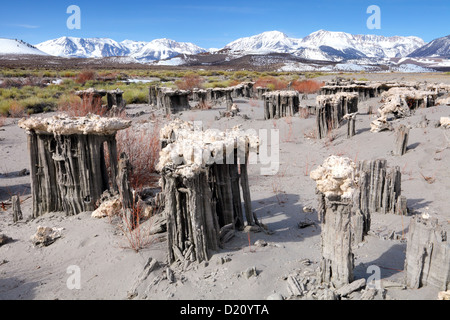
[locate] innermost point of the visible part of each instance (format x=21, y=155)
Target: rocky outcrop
x=202, y=186
x=427, y=254
x=279, y=104
x=331, y=110
x=45, y=236
x=68, y=164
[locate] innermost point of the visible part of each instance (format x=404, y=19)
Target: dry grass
x=311, y=134
x=289, y=137
x=308, y=166
x=429, y=180
x=74, y=106
x=137, y=235
x=131, y=228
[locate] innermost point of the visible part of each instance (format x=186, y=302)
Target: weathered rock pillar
x=401, y=140
x=337, y=262
x=381, y=192
x=278, y=104
x=68, y=165
x=336, y=180
x=115, y=98
x=193, y=229
x=427, y=254
x=331, y=109
x=202, y=183
x=153, y=96
x=351, y=124
x=17, y=212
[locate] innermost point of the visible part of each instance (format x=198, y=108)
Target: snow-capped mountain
x=103, y=47
x=321, y=45
x=161, y=49
x=18, y=47
x=71, y=47
x=439, y=47
x=266, y=42
x=328, y=45
x=356, y=46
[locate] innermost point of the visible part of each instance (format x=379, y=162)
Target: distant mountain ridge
x=158, y=49
x=321, y=45
x=328, y=45
x=439, y=47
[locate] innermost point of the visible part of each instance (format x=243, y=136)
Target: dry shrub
x=311, y=134
x=34, y=82
x=289, y=135
x=16, y=110
x=11, y=83
x=74, y=106
x=307, y=86
x=131, y=228
x=204, y=105
x=107, y=76
x=2, y=120
x=131, y=223
x=86, y=75
x=271, y=83
x=234, y=83
x=190, y=81
x=142, y=146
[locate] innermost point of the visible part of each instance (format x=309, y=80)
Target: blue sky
x=214, y=24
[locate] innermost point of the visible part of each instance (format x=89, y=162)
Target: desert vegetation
x=24, y=92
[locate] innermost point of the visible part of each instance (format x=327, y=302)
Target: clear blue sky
x=213, y=24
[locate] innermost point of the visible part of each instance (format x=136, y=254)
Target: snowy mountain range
x=321, y=45
x=158, y=49
x=328, y=45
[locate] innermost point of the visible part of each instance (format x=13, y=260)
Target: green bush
x=136, y=96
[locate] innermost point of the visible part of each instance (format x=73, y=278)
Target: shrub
x=221, y=84
x=10, y=93
x=4, y=106
x=85, y=76
x=11, y=83
x=16, y=110
x=142, y=146
x=307, y=86
x=135, y=96
x=190, y=81
x=271, y=83
x=74, y=106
